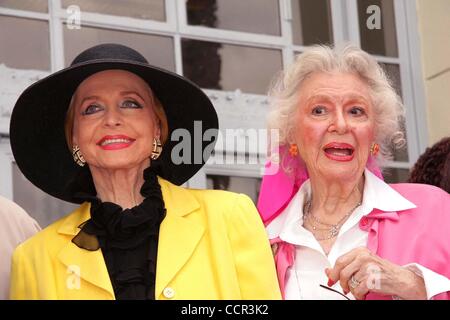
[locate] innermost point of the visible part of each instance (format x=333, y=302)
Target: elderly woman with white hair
x=329, y=215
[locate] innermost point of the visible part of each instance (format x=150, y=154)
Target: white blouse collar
x=377, y=195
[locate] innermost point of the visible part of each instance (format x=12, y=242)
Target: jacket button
x=364, y=222
x=168, y=293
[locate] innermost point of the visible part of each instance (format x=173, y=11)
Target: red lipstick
x=339, y=151
x=115, y=142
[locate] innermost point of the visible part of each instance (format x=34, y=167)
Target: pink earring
x=293, y=150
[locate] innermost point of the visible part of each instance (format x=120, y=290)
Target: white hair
x=389, y=110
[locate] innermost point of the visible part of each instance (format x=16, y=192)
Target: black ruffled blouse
x=128, y=239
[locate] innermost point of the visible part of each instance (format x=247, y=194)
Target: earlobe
x=158, y=131
x=74, y=140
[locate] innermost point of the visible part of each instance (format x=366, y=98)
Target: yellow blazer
x=212, y=245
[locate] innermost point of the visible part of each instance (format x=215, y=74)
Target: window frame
x=345, y=29
x=416, y=130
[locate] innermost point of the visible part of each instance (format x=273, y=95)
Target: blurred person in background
x=16, y=226
x=433, y=166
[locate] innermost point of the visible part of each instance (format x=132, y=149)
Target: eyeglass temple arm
x=331, y=289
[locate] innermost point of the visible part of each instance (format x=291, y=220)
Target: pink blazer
x=420, y=235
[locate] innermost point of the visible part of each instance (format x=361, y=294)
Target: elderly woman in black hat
x=136, y=235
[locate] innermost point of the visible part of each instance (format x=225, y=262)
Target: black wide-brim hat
x=37, y=122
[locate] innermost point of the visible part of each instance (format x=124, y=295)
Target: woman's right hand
x=360, y=271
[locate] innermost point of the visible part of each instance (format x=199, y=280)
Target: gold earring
x=77, y=156
x=374, y=149
x=157, y=149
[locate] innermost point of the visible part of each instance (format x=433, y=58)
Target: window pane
x=230, y=67
x=248, y=186
x=256, y=16
x=380, y=39
x=158, y=50
x=311, y=22
x=140, y=9
x=395, y=175
x=393, y=72
x=30, y=5
x=42, y=207
x=24, y=43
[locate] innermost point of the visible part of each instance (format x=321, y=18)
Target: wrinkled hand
x=374, y=274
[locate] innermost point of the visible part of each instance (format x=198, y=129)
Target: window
x=311, y=22
x=231, y=48
x=139, y=9
x=394, y=175
x=382, y=41
x=234, y=15
x=228, y=67
x=246, y=185
x=25, y=43
x=158, y=50
x=31, y=5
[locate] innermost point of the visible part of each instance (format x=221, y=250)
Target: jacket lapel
x=89, y=265
x=178, y=236
x=380, y=215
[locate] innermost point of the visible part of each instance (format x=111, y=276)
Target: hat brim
x=37, y=123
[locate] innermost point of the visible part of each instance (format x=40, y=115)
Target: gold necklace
x=331, y=229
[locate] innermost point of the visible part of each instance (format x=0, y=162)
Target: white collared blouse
x=308, y=271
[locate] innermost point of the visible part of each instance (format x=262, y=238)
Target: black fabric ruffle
x=128, y=239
